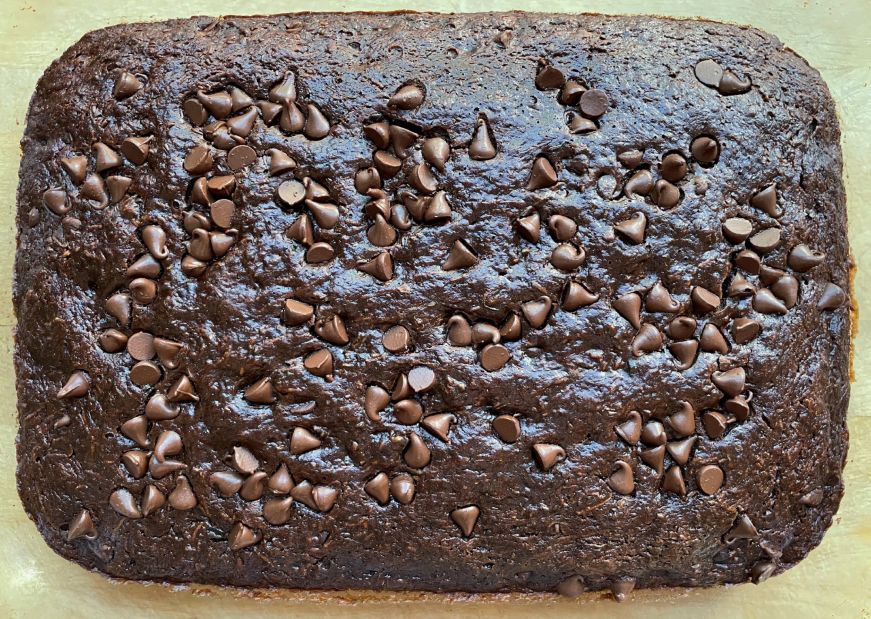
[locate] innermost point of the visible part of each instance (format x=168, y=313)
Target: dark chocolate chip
x=665, y=195
x=802, y=258
x=680, y=451
x=748, y=260
x=561, y=227
x=593, y=103
x=106, y=158
x=316, y=125
x=56, y=201
x=633, y=229
x=536, y=312
x=549, y=77
x=219, y=104
x=766, y=201
x=704, y=301
x=674, y=481
x=396, y=339
x=705, y=150
x=570, y=93
x=145, y=373
x=76, y=168
x=658, y=299
x=494, y=357
x=380, y=267
x=481, y=147
x=709, y=73
x=76, y=386
x=685, y=353
x=715, y=424
x=136, y=149
x=436, y=151
x=730, y=382
x=260, y=392
x=578, y=125
x=765, y=302
x=240, y=157
x=673, y=167
x=683, y=422
x=731, y=84
x=765, y=241
x=407, y=97
x=712, y=340
x=402, y=140
x=285, y=90
x=378, y=133
x=629, y=307
x=459, y=331
x=832, y=297
x=641, y=183
x=654, y=458
x=742, y=528
x=529, y=227
x=280, y=162
x=681, y=328
x=647, y=340
x=421, y=379
x=567, y=257
x=543, y=174
x=461, y=256
x=243, y=124
x=576, y=296
x=745, y=329
x=512, y=328
x=242, y=536
x=630, y=430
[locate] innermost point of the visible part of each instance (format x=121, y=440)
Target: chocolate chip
x=118, y=306
x=512, y=328
x=252, y=488
x=76, y=386
x=387, y=164
x=567, y=257
x=422, y=179
x=125, y=504
x=549, y=77
x=593, y=103
x=466, y=518
x=765, y=241
x=485, y=333
x=459, y=331
x=407, y=97
x=737, y=229
x=436, y=151
x=296, y=313
x=380, y=267
x=633, y=229
x=709, y=478
x=76, y=168
x=647, y=340
x=219, y=104
x=742, y=528
x=243, y=124
x=704, y=301
x=136, y=463
x=378, y=133
x=731, y=84
x=145, y=373
x=260, y=392
x=765, y=302
x=709, y=73
x=55, y=200
x=285, y=90
x=494, y=357
x=302, y=230
x=562, y=228
x=378, y=488
x=106, y=158
x=622, y=588
x=641, y=183
x=536, y=312
x=658, y=299
x=684, y=352
x=482, y=147
x=622, y=480
x=332, y=330
x=316, y=125
x=630, y=430
x=277, y=511
x=439, y=425
x=683, y=422
x=654, y=458
x=376, y=400
x=222, y=212
x=665, y=195
x=408, y=412
x=769, y=275
x=280, y=162
x=319, y=253
x=136, y=429
x=401, y=389
x=766, y=201
x=196, y=112
x=402, y=488
x=507, y=428
x=730, y=382
x=705, y=150
x=421, y=379
x=812, y=498
x=578, y=125
x=712, y=340
x=832, y=297
x=748, y=260
x=241, y=536
x=631, y=158
x=182, y=497
x=319, y=363
x=674, y=482
x=629, y=307
x=240, y=157
x=396, y=339
x=94, y=189
x=416, y=454
x=126, y=85
x=292, y=120
x=745, y=329
x=576, y=296
x=802, y=258
x=570, y=93
x=402, y=140
x=680, y=451
x=302, y=441
x=786, y=289
x=673, y=167
x=461, y=256
x=715, y=424
x=136, y=149
x=543, y=174
x=529, y=227
x=681, y=328
x=547, y=455
x=143, y=290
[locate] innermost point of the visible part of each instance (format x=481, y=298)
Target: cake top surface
x=543, y=299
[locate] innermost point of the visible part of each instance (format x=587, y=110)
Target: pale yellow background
x=834, y=581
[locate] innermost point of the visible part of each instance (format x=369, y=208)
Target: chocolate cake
x=461, y=303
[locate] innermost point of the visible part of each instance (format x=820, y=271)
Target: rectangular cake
x=460, y=303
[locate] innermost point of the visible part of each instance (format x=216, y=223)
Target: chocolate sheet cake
x=458, y=303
